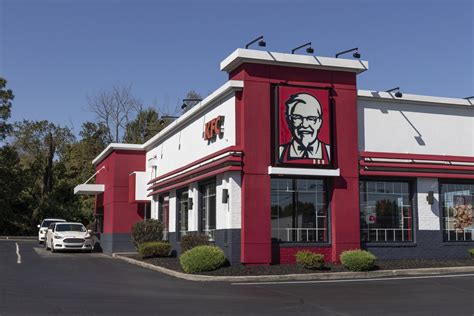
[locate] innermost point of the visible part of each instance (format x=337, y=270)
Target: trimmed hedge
x=310, y=260
x=202, y=258
x=358, y=260
x=190, y=241
x=471, y=252
x=154, y=249
x=146, y=231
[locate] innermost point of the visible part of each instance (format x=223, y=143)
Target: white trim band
x=89, y=189
x=412, y=98
x=304, y=172
x=240, y=56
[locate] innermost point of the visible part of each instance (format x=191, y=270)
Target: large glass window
x=208, y=208
x=456, y=203
x=386, y=212
x=182, y=213
x=163, y=214
x=299, y=210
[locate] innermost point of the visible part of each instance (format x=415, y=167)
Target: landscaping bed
x=172, y=263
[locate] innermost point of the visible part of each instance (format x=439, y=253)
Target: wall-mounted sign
x=213, y=128
x=303, y=127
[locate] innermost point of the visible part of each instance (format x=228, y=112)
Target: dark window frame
x=412, y=187
x=442, y=209
x=328, y=221
x=179, y=203
x=161, y=216
x=201, y=184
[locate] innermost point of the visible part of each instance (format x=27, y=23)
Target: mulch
x=172, y=263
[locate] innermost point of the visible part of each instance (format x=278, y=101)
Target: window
x=299, y=210
x=386, y=211
x=456, y=207
x=182, y=213
x=208, y=208
x=163, y=214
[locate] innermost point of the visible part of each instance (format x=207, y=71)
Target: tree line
x=41, y=161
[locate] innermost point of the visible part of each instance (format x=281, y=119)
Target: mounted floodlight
x=398, y=94
x=260, y=40
x=309, y=50
x=167, y=117
x=355, y=50
x=468, y=98
x=189, y=100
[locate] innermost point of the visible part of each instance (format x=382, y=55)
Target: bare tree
x=115, y=108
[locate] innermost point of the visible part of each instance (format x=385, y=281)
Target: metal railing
x=210, y=233
x=301, y=234
x=384, y=236
x=460, y=234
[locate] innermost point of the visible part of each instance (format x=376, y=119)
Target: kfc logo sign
x=304, y=126
x=213, y=128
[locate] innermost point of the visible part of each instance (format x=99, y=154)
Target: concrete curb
x=300, y=277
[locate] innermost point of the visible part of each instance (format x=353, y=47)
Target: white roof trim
x=240, y=56
x=116, y=146
x=224, y=90
x=304, y=172
x=413, y=98
x=89, y=189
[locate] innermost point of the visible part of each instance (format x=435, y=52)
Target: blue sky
x=56, y=52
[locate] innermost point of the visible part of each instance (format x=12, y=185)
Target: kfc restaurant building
x=289, y=155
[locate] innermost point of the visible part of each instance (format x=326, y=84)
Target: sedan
x=68, y=236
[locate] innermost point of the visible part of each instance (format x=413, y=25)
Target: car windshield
x=47, y=223
x=70, y=228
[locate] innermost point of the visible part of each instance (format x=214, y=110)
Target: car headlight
x=58, y=237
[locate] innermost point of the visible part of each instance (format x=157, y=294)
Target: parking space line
x=18, y=253
x=356, y=280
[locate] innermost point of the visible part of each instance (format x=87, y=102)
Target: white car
x=68, y=236
x=43, y=227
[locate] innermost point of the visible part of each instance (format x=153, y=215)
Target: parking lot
x=42, y=282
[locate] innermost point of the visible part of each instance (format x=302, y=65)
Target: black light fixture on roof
x=355, y=50
x=167, y=117
x=398, y=94
x=184, y=105
x=260, y=40
x=309, y=50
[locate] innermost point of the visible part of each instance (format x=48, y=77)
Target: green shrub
x=310, y=260
x=145, y=231
x=154, y=249
x=471, y=252
x=190, y=241
x=202, y=258
x=358, y=260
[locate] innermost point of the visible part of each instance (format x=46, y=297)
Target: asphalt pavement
x=37, y=282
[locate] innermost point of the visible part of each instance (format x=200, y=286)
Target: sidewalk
x=299, y=277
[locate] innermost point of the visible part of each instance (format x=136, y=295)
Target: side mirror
x=89, y=231
x=39, y=226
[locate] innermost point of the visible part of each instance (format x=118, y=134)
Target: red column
x=254, y=124
x=345, y=194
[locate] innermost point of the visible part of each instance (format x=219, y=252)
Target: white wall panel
x=141, y=179
x=172, y=210
x=188, y=145
x=415, y=128
x=428, y=215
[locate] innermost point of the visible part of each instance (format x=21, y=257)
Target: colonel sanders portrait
x=304, y=117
